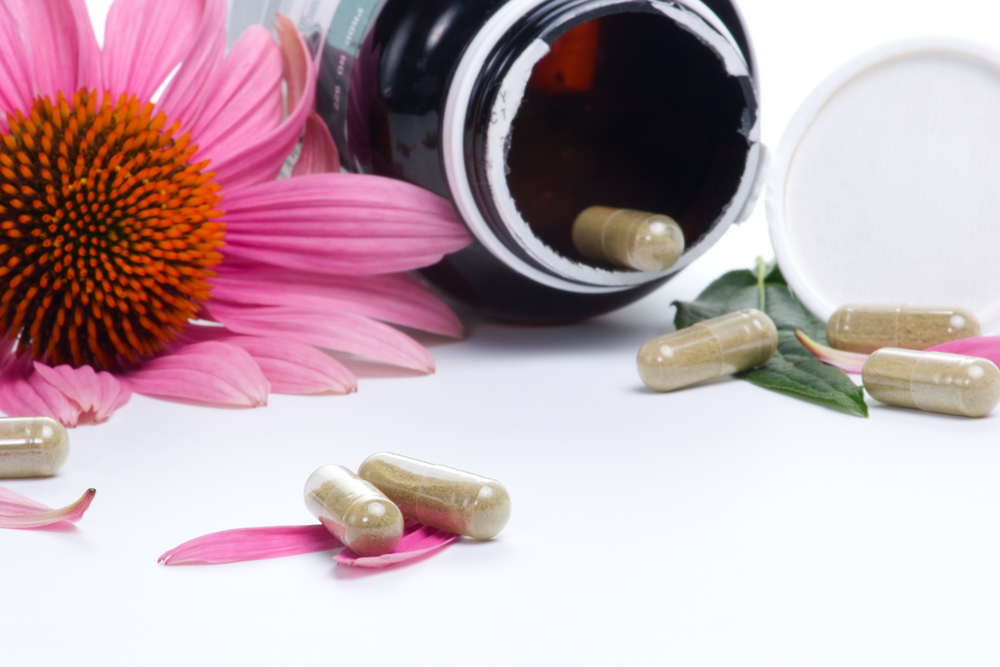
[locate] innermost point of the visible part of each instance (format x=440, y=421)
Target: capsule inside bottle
x=628, y=239
x=865, y=329
x=32, y=447
x=952, y=384
x=354, y=511
x=708, y=350
x=439, y=496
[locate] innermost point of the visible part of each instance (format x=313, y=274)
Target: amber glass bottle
x=527, y=112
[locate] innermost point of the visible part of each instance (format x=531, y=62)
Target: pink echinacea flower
x=148, y=247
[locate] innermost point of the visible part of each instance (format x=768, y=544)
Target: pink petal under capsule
x=17, y=511
x=849, y=362
x=241, y=544
x=984, y=347
x=418, y=540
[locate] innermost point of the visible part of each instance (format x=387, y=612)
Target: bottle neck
x=558, y=105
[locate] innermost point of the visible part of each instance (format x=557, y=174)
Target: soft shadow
x=548, y=340
x=349, y=572
x=200, y=404
x=61, y=527
x=884, y=407
x=370, y=369
x=643, y=390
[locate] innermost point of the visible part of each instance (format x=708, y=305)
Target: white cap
x=886, y=185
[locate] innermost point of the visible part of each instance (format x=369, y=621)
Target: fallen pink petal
x=984, y=347
x=244, y=544
x=849, y=362
x=202, y=278
x=17, y=511
x=418, y=540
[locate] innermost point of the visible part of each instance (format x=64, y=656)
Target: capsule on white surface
x=933, y=381
x=628, y=239
x=439, y=496
x=354, y=511
x=865, y=329
x=708, y=350
x=32, y=447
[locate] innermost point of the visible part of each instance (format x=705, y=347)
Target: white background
x=719, y=525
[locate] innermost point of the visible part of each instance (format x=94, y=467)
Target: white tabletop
x=724, y=524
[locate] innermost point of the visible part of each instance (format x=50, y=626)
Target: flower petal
x=24, y=393
x=62, y=408
x=16, y=89
x=62, y=46
x=208, y=372
x=186, y=94
x=395, y=298
x=984, y=347
x=246, y=100
x=849, y=362
x=418, y=540
x=336, y=331
x=242, y=544
x=16, y=511
x=262, y=159
x=296, y=368
x=100, y=393
x=342, y=223
x=319, y=153
x=144, y=40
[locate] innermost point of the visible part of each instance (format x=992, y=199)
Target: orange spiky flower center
x=106, y=231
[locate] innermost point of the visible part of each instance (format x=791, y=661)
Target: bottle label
x=338, y=27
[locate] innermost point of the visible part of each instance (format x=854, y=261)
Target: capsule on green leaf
x=708, y=350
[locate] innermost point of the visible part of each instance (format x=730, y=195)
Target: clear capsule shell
x=439, y=496
x=952, y=384
x=865, y=329
x=628, y=239
x=32, y=447
x=708, y=350
x=354, y=511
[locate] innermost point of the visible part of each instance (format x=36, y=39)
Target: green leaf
x=793, y=370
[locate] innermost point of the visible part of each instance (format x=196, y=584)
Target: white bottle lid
x=886, y=185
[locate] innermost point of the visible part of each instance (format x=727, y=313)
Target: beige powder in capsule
x=439, y=496
x=354, y=511
x=628, y=239
x=708, y=350
x=32, y=447
x=865, y=329
x=933, y=381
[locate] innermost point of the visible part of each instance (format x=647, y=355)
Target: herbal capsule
x=629, y=239
x=933, y=381
x=354, y=511
x=868, y=328
x=439, y=496
x=32, y=447
x=708, y=350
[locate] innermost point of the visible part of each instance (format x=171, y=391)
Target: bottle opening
x=636, y=105
x=628, y=111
